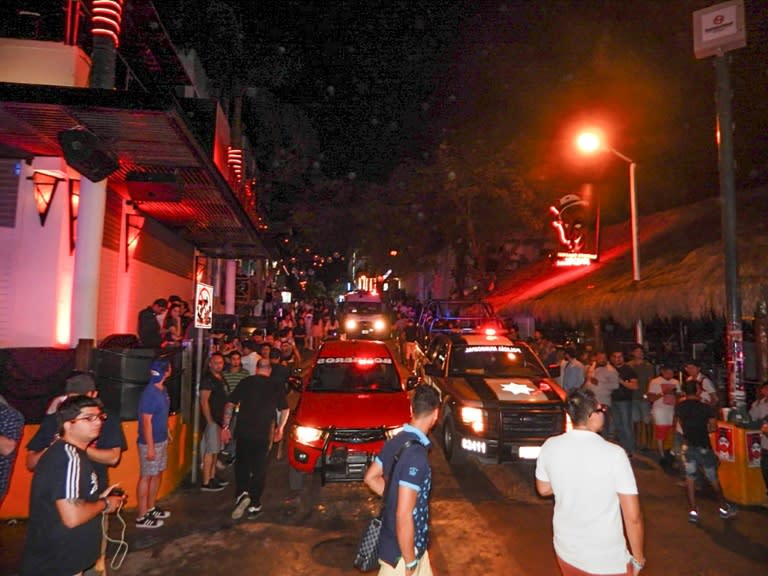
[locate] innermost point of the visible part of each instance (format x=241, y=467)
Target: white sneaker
x=242, y=502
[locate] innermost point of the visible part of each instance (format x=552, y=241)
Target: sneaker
x=693, y=517
x=212, y=486
x=148, y=521
x=158, y=512
x=253, y=511
x=221, y=481
x=243, y=501
x=727, y=511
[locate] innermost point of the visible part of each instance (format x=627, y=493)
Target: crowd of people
x=244, y=404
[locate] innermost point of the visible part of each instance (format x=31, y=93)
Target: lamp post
x=590, y=142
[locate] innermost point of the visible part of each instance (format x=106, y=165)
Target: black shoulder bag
x=367, y=558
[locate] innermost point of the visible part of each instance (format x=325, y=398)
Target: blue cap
x=157, y=371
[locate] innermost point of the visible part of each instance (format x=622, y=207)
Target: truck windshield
x=354, y=375
x=496, y=361
x=364, y=308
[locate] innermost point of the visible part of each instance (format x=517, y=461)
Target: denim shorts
x=700, y=457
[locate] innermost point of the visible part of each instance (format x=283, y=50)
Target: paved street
x=486, y=520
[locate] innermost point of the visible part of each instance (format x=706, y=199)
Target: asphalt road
x=486, y=519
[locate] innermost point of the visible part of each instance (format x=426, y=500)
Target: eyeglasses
x=91, y=418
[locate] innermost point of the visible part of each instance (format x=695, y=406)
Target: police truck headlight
x=379, y=325
x=350, y=324
x=306, y=434
x=473, y=417
x=392, y=432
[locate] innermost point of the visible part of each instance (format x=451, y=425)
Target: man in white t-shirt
x=662, y=393
x=591, y=499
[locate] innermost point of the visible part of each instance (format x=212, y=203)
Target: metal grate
x=527, y=422
x=358, y=435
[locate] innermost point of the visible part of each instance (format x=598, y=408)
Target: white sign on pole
x=719, y=28
x=203, y=306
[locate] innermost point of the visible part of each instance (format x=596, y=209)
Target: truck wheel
x=295, y=479
x=451, y=441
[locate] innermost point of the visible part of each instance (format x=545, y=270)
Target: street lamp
x=590, y=143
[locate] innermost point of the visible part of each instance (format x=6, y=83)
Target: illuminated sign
x=511, y=349
x=515, y=388
x=351, y=360
x=574, y=259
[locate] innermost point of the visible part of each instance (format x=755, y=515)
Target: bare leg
x=209, y=467
x=154, y=486
x=690, y=487
x=142, y=490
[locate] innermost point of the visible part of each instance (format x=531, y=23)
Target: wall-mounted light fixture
x=133, y=225
x=74, y=208
x=44, y=184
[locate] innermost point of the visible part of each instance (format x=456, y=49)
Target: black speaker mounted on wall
x=84, y=152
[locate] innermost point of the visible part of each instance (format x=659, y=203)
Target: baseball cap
x=80, y=384
x=157, y=371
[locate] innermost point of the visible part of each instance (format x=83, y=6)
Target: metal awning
x=151, y=134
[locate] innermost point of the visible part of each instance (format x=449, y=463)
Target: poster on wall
x=203, y=305
x=753, y=449
x=725, y=449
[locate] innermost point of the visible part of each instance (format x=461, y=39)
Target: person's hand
x=278, y=434
x=226, y=435
x=151, y=454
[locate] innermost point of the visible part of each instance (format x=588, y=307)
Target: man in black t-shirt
x=66, y=501
x=260, y=398
x=696, y=420
x=213, y=396
x=621, y=403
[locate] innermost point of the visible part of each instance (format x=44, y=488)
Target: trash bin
x=738, y=448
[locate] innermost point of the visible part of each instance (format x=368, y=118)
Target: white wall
x=47, y=63
x=36, y=271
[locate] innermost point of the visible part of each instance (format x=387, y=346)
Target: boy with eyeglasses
x=66, y=500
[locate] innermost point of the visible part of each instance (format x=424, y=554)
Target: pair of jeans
x=251, y=467
x=621, y=412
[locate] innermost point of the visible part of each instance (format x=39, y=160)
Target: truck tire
x=451, y=441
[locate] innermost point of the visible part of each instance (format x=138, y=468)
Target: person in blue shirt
x=404, y=537
x=154, y=436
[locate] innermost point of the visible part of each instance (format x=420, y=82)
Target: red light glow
x=106, y=17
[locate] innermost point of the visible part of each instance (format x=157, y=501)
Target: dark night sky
x=384, y=80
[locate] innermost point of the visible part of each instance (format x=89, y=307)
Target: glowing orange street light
x=591, y=142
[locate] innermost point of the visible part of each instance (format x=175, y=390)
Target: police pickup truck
x=498, y=401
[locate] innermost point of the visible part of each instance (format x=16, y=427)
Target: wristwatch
x=412, y=564
x=636, y=563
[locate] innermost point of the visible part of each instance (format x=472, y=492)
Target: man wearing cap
x=105, y=452
x=154, y=407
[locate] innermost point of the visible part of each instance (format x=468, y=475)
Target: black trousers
x=251, y=467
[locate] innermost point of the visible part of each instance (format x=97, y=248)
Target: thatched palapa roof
x=681, y=267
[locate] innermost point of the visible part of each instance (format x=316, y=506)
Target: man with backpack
x=405, y=522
